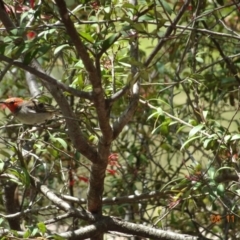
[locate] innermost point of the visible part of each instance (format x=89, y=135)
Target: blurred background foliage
x=179, y=155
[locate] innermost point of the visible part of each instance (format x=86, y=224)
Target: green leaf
x=164, y=130
x=87, y=37
x=227, y=138
x=1, y=166
x=125, y=64
x=167, y=7
x=5, y=153
x=27, y=234
x=222, y=168
x=139, y=27
x=29, y=56
x=181, y=128
x=196, y=130
x=166, y=147
x=205, y=113
x=78, y=81
x=196, y=186
x=128, y=20
x=15, y=32
x=188, y=141
x=17, y=51
x=60, y=48
x=107, y=9
x=15, y=173
x=128, y=5
x=2, y=47
x=56, y=237
x=235, y=137
x=199, y=59
x=42, y=227
x=206, y=142
x=158, y=112
x=193, y=122
x=211, y=173
x=34, y=231
x=44, y=49
x=59, y=140
x=220, y=189
x=197, y=76
x=107, y=43
x=25, y=177
x=79, y=64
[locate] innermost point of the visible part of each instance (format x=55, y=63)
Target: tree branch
x=227, y=60
x=129, y=112
x=30, y=79
x=127, y=115
x=48, y=79
x=94, y=75
x=8, y=24
x=169, y=31
x=59, y=202
x=106, y=224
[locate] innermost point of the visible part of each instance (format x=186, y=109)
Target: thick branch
x=82, y=51
x=12, y=204
x=96, y=187
x=94, y=75
x=8, y=24
x=73, y=128
x=53, y=86
x=59, y=202
x=74, y=132
x=123, y=199
x=106, y=224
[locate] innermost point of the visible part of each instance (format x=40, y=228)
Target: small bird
x=29, y=112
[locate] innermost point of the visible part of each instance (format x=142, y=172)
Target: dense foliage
x=147, y=143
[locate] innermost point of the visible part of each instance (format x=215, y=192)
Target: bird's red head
x=13, y=103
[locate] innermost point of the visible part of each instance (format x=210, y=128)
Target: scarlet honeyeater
x=29, y=111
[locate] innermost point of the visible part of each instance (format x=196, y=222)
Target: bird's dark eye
x=12, y=102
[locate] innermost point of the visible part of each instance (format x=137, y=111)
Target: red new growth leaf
x=31, y=35
x=84, y=179
x=113, y=156
x=95, y=5
x=113, y=160
x=32, y=3
x=174, y=203
x=21, y=8
x=111, y=171
x=8, y=9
